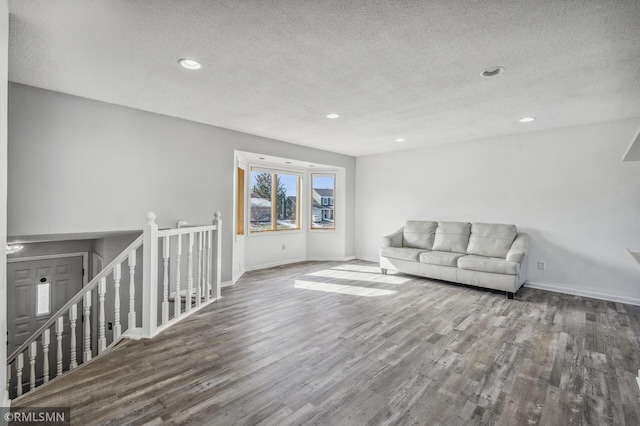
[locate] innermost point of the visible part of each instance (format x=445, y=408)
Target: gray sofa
x=480, y=254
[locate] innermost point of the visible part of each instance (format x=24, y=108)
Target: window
x=240, y=205
x=274, y=201
x=43, y=302
x=322, y=201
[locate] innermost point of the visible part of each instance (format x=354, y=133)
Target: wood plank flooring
x=331, y=343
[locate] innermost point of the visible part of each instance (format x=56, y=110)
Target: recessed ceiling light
x=288, y=162
x=332, y=116
x=311, y=165
x=400, y=140
x=492, y=72
x=190, y=64
x=526, y=119
x=260, y=158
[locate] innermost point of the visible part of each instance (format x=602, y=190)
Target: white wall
x=567, y=188
x=77, y=165
x=275, y=248
x=4, y=63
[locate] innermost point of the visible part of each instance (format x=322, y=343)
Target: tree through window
x=274, y=201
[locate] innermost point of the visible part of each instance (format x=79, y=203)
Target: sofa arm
x=393, y=240
x=519, y=248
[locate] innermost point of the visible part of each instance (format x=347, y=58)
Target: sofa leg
x=510, y=295
x=384, y=271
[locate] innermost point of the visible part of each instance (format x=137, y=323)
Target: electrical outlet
x=283, y=247
x=542, y=265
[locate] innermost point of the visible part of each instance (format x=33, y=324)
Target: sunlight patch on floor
x=343, y=289
x=358, y=268
x=360, y=276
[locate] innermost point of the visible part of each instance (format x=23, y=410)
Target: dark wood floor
x=338, y=343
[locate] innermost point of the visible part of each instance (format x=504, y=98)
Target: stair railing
x=160, y=289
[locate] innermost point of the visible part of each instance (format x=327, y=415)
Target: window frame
x=333, y=175
x=275, y=172
x=241, y=176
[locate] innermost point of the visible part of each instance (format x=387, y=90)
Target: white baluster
x=8, y=377
x=87, y=326
x=19, y=367
x=177, y=300
x=189, y=273
x=59, y=330
x=199, y=282
x=150, y=299
x=132, y=290
x=217, y=246
x=117, y=327
x=102, y=339
x=33, y=350
x=165, y=283
x=208, y=266
x=73, y=317
x=46, y=340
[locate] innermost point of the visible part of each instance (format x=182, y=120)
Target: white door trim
x=83, y=254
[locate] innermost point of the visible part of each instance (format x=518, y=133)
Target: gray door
x=36, y=289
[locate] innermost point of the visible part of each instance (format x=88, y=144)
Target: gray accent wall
x=78, y=165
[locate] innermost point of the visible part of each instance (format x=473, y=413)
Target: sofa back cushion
x=491, y=239
x=419, y=234
x=452, y=236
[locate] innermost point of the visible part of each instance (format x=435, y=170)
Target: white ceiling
x=391, y=69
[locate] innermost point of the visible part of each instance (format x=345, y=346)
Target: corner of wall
x=4, y=66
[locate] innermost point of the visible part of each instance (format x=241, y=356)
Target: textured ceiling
x=391, y=69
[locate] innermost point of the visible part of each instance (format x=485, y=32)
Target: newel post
x=217, y=254
x=150, y=278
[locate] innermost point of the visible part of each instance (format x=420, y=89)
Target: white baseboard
x=556, y=288
x=287, y=262
x=330, y=259
x=368, y=259
x=233, y=280
x=274, y=264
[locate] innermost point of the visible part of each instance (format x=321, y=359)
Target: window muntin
x=274, y=202
x=323, y=201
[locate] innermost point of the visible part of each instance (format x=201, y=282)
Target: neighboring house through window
x=323, y=195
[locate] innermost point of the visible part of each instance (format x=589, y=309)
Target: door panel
x=64, y=276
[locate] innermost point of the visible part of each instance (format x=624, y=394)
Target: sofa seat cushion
x=491, y=239
x=403, y=253
x=443, y=258
x=495, y=265
x=452, y=236
x=419, y=234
